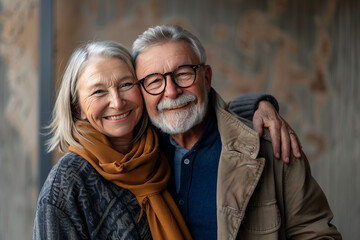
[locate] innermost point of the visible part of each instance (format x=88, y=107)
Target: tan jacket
x=259, y=197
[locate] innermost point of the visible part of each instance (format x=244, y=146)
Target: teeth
x=118, y=117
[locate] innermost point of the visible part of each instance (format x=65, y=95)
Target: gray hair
x=65, y=112
x=167, y=33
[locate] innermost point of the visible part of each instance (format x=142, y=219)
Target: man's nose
x=171, y=90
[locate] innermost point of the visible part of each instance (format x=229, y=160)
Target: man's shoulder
x=248, y=123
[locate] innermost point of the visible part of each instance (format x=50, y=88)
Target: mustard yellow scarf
x=144, y=171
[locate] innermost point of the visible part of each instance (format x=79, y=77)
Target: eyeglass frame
x=193, y=66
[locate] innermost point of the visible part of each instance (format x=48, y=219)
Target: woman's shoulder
x=71, y=169
x=72, y=161
x=70, y=177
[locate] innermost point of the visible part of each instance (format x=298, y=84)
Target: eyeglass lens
x=183, y=76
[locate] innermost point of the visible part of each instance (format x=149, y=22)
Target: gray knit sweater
x=76, y=202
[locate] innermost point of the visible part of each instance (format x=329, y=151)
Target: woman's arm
x=52, y=223
x=263, y=110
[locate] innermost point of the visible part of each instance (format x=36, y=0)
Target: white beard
x=180, y=121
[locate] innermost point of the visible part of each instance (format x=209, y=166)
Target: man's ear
x=208, y=77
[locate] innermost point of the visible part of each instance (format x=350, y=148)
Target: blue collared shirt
x=193, y=184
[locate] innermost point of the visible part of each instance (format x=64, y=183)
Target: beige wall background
x=306, y=53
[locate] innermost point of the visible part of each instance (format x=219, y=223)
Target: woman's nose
x=116, y=101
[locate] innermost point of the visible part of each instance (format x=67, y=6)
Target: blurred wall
x=306, y=53
x=18, y=117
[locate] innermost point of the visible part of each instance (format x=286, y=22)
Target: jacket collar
x=245, y=139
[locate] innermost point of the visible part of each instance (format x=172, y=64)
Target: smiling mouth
x=175, y=107
x=118, y=117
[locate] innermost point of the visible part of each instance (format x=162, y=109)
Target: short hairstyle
x=167, y=33
x=65, y=113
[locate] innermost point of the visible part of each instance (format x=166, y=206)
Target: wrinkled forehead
x=105, y=70
x=165, y=57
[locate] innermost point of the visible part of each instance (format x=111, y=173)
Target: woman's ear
x=80, y=114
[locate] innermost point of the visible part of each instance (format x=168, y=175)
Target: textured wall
x=306, y=53
x=18, y=117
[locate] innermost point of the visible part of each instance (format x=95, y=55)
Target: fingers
x=289, y=141
x=275, y=135
x=267, y=117
x=295, y=143
x=282, y=136
x=258, y=126
x=285, y=144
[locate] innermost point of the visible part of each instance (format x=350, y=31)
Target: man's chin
x=180, y=121
x=168, y=127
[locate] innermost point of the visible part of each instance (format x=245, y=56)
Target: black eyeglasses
x=183, y=76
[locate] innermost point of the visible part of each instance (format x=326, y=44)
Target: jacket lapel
x=239, y=169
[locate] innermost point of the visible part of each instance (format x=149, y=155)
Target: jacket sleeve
x=246, y=104
x=308, y=215
x=52, y=223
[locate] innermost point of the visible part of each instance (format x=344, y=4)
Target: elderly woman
x=113, y=171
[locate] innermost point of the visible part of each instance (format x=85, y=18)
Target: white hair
x=167, y=33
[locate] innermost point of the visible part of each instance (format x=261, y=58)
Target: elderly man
x=226, y=180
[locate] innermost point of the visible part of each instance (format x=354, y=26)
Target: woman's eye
x=98, y=92
x=126, y=86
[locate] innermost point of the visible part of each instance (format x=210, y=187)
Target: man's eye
x=154, y=81
x=183, y=75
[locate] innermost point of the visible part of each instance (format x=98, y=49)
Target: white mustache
x=181, y=101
